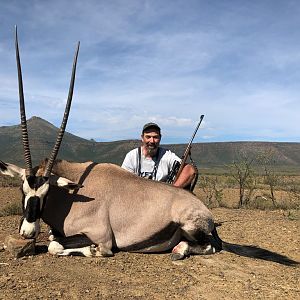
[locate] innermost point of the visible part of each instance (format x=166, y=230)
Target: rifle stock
x=178, y=167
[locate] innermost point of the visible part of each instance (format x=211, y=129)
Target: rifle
x=178, y=166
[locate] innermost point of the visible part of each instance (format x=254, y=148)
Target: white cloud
x=165, y=61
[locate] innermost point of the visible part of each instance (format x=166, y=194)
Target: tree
x=271, y=179
x=243, y=173
x=212, y=189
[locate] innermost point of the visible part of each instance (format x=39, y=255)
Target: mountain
x=42, y=136
x=210, y=156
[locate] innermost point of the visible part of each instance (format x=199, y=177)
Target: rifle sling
x=156, y=159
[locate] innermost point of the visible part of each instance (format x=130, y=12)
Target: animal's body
x=115, y=208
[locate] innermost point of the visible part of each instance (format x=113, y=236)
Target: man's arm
x=186, y=176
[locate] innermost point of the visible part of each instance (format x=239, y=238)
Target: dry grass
x=6, y=181
x=11, y=209
x=10, y=201
x=225, y=193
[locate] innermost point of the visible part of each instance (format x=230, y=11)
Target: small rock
x=19, y=247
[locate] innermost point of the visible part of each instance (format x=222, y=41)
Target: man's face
x=150, y=140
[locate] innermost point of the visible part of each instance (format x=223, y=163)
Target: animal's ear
x=64, y=182
x=11, y=170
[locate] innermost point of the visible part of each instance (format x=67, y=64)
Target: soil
x=155, y=276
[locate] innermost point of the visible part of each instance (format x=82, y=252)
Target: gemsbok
x=94, y=209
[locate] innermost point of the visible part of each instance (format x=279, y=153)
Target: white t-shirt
x=165, y=159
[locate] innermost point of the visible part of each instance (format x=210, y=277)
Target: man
x=153, y=162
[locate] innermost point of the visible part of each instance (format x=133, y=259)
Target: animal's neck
x=72, y=171
x=56, y=207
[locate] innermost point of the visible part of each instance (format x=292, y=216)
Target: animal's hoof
x=209, y=249
x=177, y=256
x=93, y=250
x=104, y=252
x=51, y=238
x=107, y=254
x=100, y=251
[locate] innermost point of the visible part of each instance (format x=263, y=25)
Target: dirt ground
x=155, y=276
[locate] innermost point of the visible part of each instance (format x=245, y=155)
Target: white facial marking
x=40, y=192
x=32, y=229
x=28, y=229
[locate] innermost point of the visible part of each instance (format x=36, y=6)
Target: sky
x=237, y=62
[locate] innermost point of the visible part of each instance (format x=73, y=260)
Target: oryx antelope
x=96, y=208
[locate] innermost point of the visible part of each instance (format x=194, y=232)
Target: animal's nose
x=27, y=235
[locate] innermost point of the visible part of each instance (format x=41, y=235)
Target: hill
x=210, y=156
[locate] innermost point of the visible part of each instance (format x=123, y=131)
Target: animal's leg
x=200, y=241
x=180, y=251
x=56, y=248
x=201, y=249
x=103, y=237
x=77, y=245
x=197, y=242
x=53, y=234
x=184, y=248
x=103, y=251
x=206, y=241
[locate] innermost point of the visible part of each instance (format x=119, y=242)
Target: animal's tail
x=250, y=251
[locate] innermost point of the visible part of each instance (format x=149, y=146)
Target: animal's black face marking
x=36, y=181
x=32, y=211
x=21, y=221
x=23, y=201
x=34, y=189
x=34, y=186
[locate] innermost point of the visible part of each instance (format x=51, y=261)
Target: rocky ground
x=144, y=276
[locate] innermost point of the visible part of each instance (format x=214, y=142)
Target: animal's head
x=35, y=188
x=36, y=181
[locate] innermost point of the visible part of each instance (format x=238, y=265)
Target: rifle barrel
x=193, y=136
x=188, y=149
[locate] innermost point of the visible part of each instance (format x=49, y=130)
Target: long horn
x=25, y=140
x=65, y=118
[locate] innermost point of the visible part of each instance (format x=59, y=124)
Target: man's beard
x=151, y=149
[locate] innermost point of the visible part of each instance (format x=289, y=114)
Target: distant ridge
x=42, y=135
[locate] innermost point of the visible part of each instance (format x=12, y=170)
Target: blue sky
x=236, y=62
